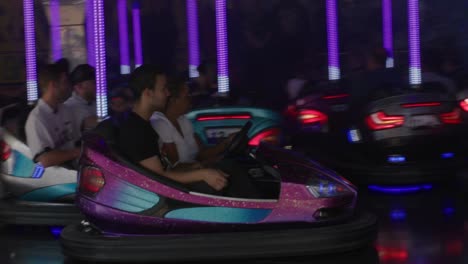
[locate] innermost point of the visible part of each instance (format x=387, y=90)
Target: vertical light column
x=222, y=47
x=100, y=52
x=334, y=72
x=90, y=33
x=30, y=50
x=137, y=34
x=193, y=41
x=123, y=37
x=414, y=43
x=388, y=31
x=54, y=6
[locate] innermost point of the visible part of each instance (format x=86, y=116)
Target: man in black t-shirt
x=137, y=139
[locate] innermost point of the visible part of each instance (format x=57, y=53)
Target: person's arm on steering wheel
x=215, y=178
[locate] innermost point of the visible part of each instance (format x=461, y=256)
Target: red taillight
x=5, y=151
x=335, y=96
x=91, y=180
x=223, y=117
x=270, y=135
x=426, y=104
x=380, y=120
x=453, y=117
x=308, y=117
x=464, y=105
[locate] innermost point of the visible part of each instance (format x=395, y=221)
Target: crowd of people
x=153, y=131
x=67, y=107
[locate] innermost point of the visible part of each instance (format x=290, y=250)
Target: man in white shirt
x=83, y=100
x=50, y=131
x=184, y=140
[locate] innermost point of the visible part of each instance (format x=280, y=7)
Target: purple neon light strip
x=332, y=38
x=55, y=29
x=123, y=37
x=222, y=47
x=193, y=45
x=90, y=33
x=137, y=35
x=388, y=31
x=30, y=49
x=100, y=52
x=414, y=44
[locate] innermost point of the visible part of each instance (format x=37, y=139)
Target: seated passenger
x=137, y=139
x=204, y=87
x=176, y=135
x=377, y=79
x=50, y=131
x=83, y=100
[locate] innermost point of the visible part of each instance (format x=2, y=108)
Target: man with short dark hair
x=64, y=63
x=50, y=131
x=83, y=100
x=137, y=139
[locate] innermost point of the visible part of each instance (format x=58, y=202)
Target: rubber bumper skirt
x=358, y=232
x=38, y=213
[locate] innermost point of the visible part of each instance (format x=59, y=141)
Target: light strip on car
x=137, y=34
x=193, y=39
x=427, y=104
x=336, y=96
x=54, y=7
x=30, y=49
x=334, y=72
x=100, y=52
x=414, y=43
x=222, y=117
x=123, y=37
x=387, y=29
x=222, y=47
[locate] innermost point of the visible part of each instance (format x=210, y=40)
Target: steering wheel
x=240, y=140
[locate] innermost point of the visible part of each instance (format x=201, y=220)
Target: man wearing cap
x=50, y=131
x=83, y=100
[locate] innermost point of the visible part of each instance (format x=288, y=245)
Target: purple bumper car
x=301, y=208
